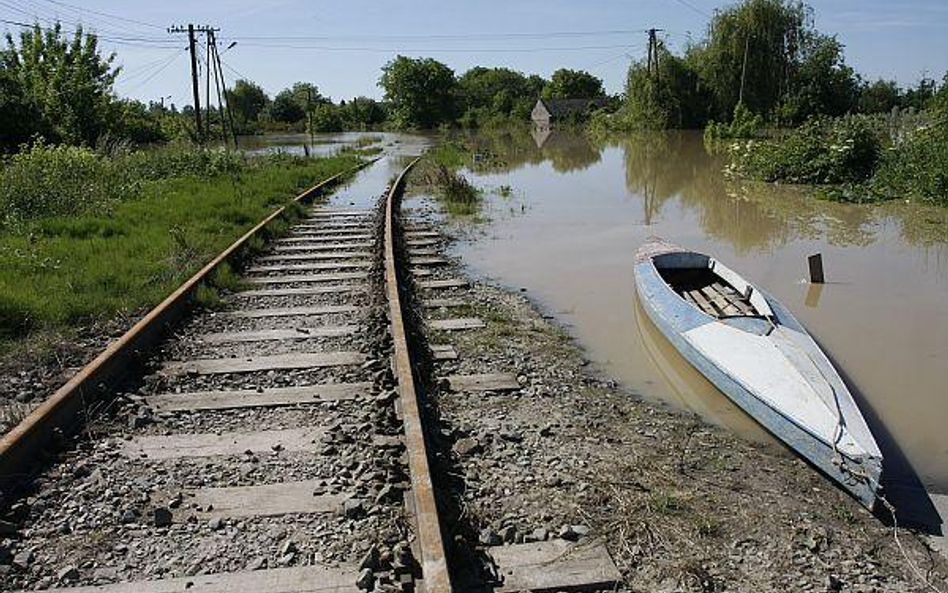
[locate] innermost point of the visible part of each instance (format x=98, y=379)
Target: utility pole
x=309, y=113
x=652, y=64
x=220, y=71
x=207, y=86
x=192, y=32
x=740, y=97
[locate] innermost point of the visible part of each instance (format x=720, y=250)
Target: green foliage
x=879, y=97
x=821, y=151
x=669, y=98
x=917, y=167
x=362, y=113
x=458, y=195
x=139, y=124
x=326, y=118
x=247, y=101
x=291, y=105
x=61, y=87
x=770, y=34
x=762, y=53
x=422, y=92
x=573, y=84
x=64, y=270
x=42, y=180
x=57, y=180
x=821, y=84
x=495, y=94
x=744, y=124
x=285, y=108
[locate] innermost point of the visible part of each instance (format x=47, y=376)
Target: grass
x=69, y=270
x=458, y=196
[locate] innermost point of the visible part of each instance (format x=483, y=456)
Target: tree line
x=419, y=93
x=766, y=56
x=59, y=87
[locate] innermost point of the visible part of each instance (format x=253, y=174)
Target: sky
x=342, y=45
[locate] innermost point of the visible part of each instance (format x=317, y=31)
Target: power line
x=117, y=39
x=436, y=49
x=694, y=8
x=155, y=73
x=149, y=67
x=81, y=10
x=234, y=70
x=43, y=14
x=440, y=37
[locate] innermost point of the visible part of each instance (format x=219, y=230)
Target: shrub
x=42, y=180
x=745, y=124
x=57, y=180
x=821, y=151
x=917, y=167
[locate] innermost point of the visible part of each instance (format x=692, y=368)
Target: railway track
x=281, y=444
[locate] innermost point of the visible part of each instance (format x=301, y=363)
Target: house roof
x=561, y=107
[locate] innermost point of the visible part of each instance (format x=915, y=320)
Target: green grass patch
x=62, y=270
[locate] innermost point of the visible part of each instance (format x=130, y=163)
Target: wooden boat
x=752, y=349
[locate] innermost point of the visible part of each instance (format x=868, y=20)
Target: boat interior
x=709, y=292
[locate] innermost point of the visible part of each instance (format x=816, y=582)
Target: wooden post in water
x=815, y=262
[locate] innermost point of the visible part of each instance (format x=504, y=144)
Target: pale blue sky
x=341, y=45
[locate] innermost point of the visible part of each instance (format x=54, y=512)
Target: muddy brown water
x=565, y=215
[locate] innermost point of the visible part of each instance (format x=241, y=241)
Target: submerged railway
x=282, y=442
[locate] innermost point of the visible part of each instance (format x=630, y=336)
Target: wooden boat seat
x=711, y=294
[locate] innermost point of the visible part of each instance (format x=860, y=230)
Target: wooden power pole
x=652, y=63
x=192, y=32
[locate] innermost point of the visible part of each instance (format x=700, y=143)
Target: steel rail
x=21, y=449
x=434, y=564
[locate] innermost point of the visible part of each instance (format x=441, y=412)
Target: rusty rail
x=434, y=564
x=21, y=448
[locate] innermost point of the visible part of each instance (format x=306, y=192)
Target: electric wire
x=436, y=49
x=155, y=73
x=82, y=10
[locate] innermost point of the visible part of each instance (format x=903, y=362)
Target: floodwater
x=564, y=216
x=326, y=144
x=367, y=185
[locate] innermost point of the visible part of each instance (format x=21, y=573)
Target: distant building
x=547, y=111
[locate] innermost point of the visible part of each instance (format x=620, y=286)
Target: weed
x=62, y=271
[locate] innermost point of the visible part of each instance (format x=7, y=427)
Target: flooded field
x=564, y=216
x=325, y=144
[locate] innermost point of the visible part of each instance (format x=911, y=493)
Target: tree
x=497, y=92
x=755, y=46
x=19, y=118
x=822, y=84
x=139, y=124
x=362, y=113
x=879, y=97
x=62, y=86
x=326, y=118
x=573, y=84
x=422, y=92
x=285, y=108
x=247, y=101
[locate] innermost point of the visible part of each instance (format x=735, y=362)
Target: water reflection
x=590, y=203
x=691, y=390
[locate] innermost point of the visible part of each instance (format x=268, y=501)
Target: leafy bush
x=916, y=167
x=43, y=180
x=821, y=151
x=57, y=180
x=745, y=124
